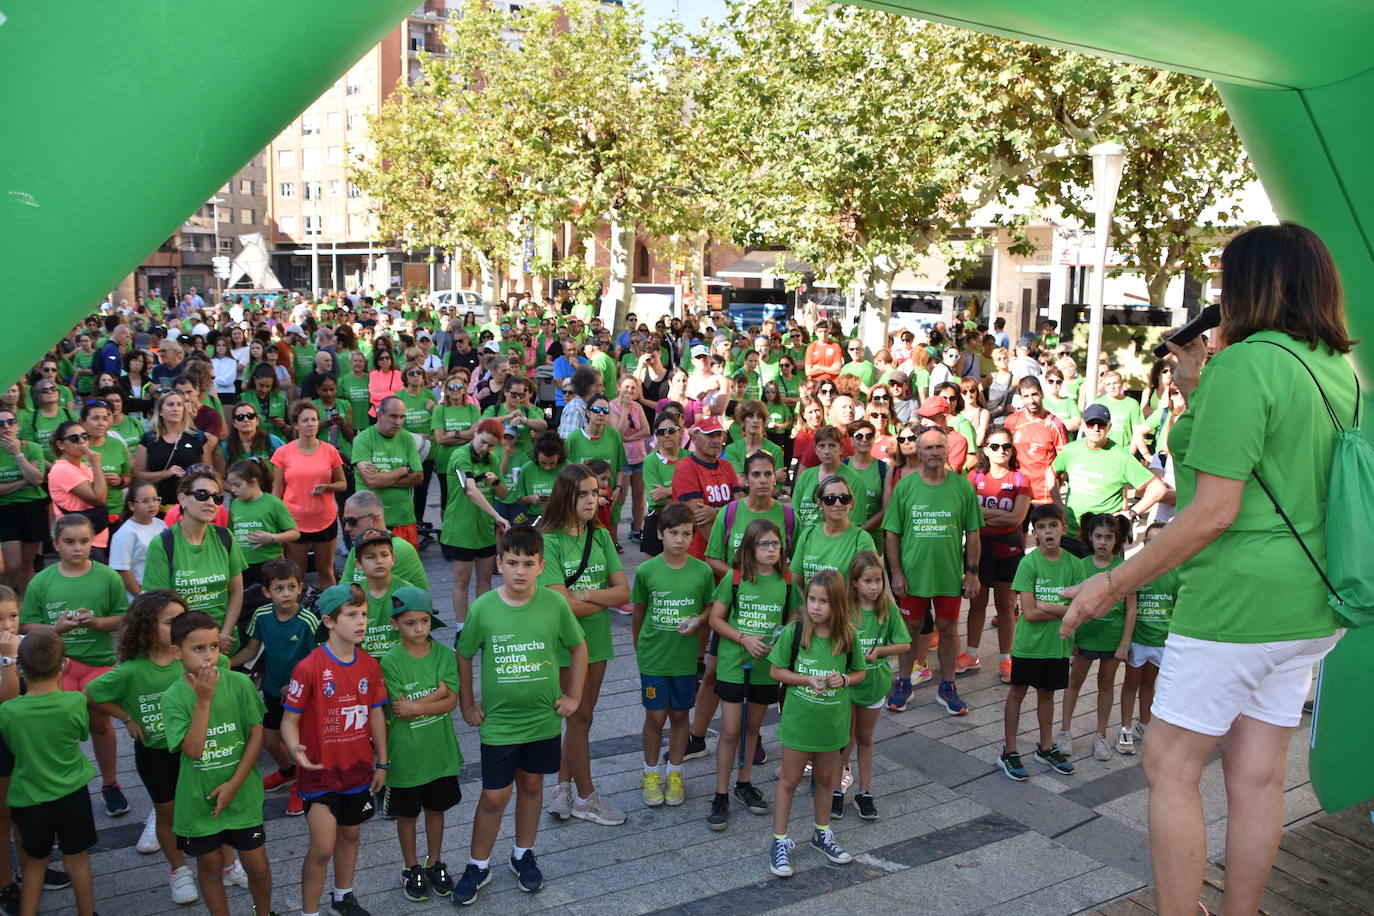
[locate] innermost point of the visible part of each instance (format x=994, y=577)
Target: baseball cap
x=492, y=346
x=1096, y=413
x=424, y=335
x=933, y=406
x=700, y=350
x=411, y=598
x=369, y=537
x=333, y=598
x=294, y=329
x=708, y=425
x=511, y=430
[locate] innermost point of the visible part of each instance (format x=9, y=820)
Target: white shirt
x=129, y=546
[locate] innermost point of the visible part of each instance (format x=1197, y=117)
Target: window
x=248, y=217
x=355, y=85
x=335, y=155
x=226, y=244
x=310, y=124
x=312, y=226
x=335, y=187
x=287, y=224
x=286, y=157
x=355, y=120
x=245, y=186
x=333, y=120
x=286, y=189
x=354, y=190
x=336, y=223
x=312, y=190
x=310, y=159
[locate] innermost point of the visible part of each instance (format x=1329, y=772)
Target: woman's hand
x=753, y=645
x=261, y=538
x=1091, y=599
x=1190, y=357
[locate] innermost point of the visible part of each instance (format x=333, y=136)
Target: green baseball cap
x=410, y=598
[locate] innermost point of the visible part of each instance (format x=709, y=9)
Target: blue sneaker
x=901, y=692
x=473, y=880
x=948, y=697
x=1012, y=766
x=524, y=868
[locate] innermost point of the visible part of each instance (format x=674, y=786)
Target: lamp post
x=1108, y=161
x=214, y=203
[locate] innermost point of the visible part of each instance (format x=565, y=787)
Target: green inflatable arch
x=125, y=117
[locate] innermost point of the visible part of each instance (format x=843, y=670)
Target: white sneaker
x=235, y=875
x=1065, y=743
x=1125, y=742
x=598, y=810
x=147, y=840
x=184, y=886
x=560, y=803
x=1100, y=749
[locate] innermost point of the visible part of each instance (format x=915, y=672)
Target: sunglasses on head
x=200, y=496
x=831, y=499
x=97, y=402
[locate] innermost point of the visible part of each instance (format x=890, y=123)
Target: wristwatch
x=6, y=661
x=970, y=569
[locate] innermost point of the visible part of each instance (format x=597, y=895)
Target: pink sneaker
x=1004, y=671
x=966, y=662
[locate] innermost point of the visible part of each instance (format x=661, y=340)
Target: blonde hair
x=863, y=561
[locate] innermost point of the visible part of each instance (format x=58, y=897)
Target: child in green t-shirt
x=670, y=596
x=132, y=693
x=519, y=628
x=377, y=558
x=47, y=795
x=422, y=682
x=214, y=718
x=259, y=521
x=1154, y=612
x=881, y=634
x=819, y=658
x=1039, y=656
x=9, y=688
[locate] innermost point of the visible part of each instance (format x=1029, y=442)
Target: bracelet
x=1116, y=599
x=844, y=677
x=382, y=766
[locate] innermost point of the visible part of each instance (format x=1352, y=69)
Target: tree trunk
x=1158, y=287
x=490, y=281
x=615, y=305
x=875, y=292
x=699, y=243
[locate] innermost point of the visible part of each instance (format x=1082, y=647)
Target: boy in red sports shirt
x=703, y=482
x=333, y=724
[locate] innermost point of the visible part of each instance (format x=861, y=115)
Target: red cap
x=933, y=406
x=708, y=425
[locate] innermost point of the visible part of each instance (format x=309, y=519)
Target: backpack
x=788, y=520
x=169, y=543
x=1348, y=576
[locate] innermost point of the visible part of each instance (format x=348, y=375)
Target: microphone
x=1206, y=319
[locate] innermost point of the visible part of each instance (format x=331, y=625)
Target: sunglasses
x=49, y=370
x=598, y=410
x=352, y=521
x=907, y=438
x=831, y=499
x=880, y=397
x=74, y=438
x=201, y=496
x=97, y=402
x=1000, y=446
x=240, y=417
x=7, y=423
x=1054, y=381
x=861, y=437
x=668, y=431
x=44, y=389
x=784, y=365
x=827, y=389
x=457, y=387
x=1097, y=424
x=415, y=372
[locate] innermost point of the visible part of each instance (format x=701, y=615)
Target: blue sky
x=688, y=12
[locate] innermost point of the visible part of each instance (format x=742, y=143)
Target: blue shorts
x=678, y=692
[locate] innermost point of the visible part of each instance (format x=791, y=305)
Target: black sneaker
x=54, y=880
x=864, y=803
x=760, y=755
x=472, y=881
x=348, y=906
x=439, y=880
x=720, y=813
x=696, y=747
x=9, y=899
x=415, y=883
x=750, y=798
x=527, y=870
x=1054, y=759
x=836, y=805
x=116, y=805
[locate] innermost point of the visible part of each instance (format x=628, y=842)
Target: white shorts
x=1204, y=686
x=1142, y=655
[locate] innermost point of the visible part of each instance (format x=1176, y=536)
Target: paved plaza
x=955, y=835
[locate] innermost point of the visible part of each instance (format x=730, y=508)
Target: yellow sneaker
x=677, y=789
x=652, y=787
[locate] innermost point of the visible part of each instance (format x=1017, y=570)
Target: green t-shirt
x=454, y=420
x=387, y=455
x=100, y=590
x=817, y=550
x=114, y=459
x=274, y=406
x=465, y=525
x=266, y=513
x=603, y=363
x=863, y=370
x=804, y=496
x=128, y=430
x=35, y=427
x=873, y=477
x=811, y=721
x=524, y=441
x=1257, y=409
x=874, y=634
x=407, y=567
x=303, y=361
x=202, y=574
x=137, y=687
x=353, y=388
x=334, y=434
x=44, y=733
x=1154, y=608
x=1072, y=386
x=562, y=557
x=533, y=480
x=759, y=610
x=735, y=454
x=919, y=381
x=381, y=635
x=1126, y=416
x=779, y=416
x=10, y=473
x=419, y=411
x=1042, y=577
x=658, y=472
x=1104, y=633
x=1097, y=477
x=424, y=748
x=719, y=548
x=930, y=522
x=1064, y=408
x=670, y=596
x=520, y=647
x=607, y=446
x=235, y=710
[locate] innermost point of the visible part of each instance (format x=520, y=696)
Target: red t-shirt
x=824, y=354
x=334, y=700
x=715, y=483
x=1037, y=440
x=995, y=493
x=956, y=452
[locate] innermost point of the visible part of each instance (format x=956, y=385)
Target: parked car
x=460, y=301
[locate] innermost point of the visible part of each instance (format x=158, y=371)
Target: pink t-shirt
x=61, y=479
x=301, y=473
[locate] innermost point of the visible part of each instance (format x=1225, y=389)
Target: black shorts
x=996, y=570
x=437, y=795
x=1095, y=655
x=764, y=694
x=349, y=808
x=466, y=554
x=244, y=840
x=26, y=522
x=158, y=769
x=500, y=762
x=324, y=535
x=67, y=821
x=1040, y=673
x=271, y=719
x=6, y=762
x=229, y=397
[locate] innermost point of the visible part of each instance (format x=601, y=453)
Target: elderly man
x=111, y=356
x=168, y=369
x=363, y=510
x=586, y=383
x=387, y=462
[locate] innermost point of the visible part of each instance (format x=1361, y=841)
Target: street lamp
x=214, y=203
x=1108, y=161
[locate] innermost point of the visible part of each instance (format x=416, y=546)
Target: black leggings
x=420, y=494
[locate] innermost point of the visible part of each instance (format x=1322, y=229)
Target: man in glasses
x=1098, y=472
x=363, y=511
x=1038, y=436
x=859, y=365
x=933, y=526
x=462, y=356
x=387, y=462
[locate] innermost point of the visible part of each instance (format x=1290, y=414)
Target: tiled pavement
x=955, y=836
